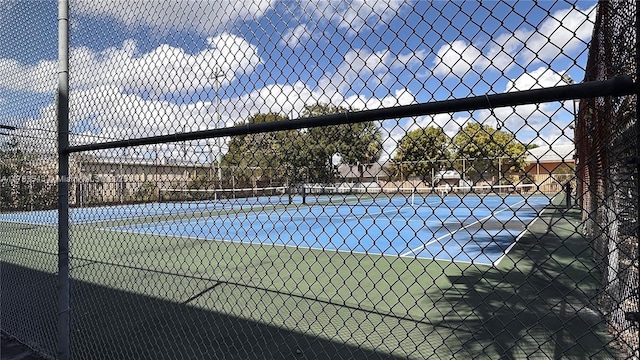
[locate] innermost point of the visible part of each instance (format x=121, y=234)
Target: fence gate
x=319, y=179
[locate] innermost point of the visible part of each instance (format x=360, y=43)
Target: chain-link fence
x=321, y=179
x=28, y=173
x=607, y=143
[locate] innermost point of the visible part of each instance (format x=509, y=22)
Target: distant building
x=126, y=180
x=551, y=166
x=450, y=178
x=364, y=173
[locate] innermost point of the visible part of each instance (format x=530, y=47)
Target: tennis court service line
x=423, y=247
x=528, y=228
x=506, y=251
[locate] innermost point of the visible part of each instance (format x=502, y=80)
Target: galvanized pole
x=63, y=321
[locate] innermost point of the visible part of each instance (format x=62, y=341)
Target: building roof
x=448, y=175
x=369, y=170
x=551, y=153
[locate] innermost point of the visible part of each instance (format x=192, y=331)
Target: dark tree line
x=309, y=155
x=306, y=155
x=26, y=182
x=477, y=151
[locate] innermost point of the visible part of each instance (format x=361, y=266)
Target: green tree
x=259, y=159
x=319, y=145
x=293, y=156
x=25, y=182
x=489, y=153
x=146, y=191
x=360, y=145
x=420, y=152
x=357, y=144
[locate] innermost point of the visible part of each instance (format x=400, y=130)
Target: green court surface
x=152, y=296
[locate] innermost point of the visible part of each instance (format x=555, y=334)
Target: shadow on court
x=114, y=324
x=540, y=304
x=536, y=303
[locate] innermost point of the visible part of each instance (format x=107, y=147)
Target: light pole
x=574, y=124
x=567, y=79
x=217, y=73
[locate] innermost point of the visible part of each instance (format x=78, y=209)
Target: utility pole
x=217, y=74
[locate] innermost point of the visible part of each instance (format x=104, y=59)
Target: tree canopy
x=488, y=153
x=259, y=159
x=420, y=152
x=478, y=151
x=301, y=155
x=25, y=182
x=355, y=144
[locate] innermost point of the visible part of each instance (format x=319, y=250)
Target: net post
x=304, y=195
x=413, y=196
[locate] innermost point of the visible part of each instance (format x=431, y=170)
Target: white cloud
x=108, y=89
x=450, y=123
x=364, y=68
x=279, y=98
x=563, y=32
x=541, y=77
x=165, y=69
x=458, y=58
x=501, y=50
x=296, y=36
x=533, y=122
x=538, y=123
x=39, y=78
x=354, y=15
x=204, y=16
x=114, y=115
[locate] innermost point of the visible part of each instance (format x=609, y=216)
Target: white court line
x=497, y=262
x=413, y=251
x=323, y=249
x=84, y=219
x=506, y=251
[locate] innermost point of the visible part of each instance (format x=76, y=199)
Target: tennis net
x=265, y=194
x=482, y=190
x=374, y=188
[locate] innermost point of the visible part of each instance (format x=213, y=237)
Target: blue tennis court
x=137, y=211
x=468, y=229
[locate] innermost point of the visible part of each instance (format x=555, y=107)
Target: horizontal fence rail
x=617, y=86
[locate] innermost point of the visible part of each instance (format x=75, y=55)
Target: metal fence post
x=63, y=320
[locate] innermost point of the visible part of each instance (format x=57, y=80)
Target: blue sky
x=152, y=70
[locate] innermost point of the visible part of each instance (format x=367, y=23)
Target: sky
x=144, y=68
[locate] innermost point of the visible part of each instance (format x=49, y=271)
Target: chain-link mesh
x=28, y=190
x=215, y=213
x=607, y=141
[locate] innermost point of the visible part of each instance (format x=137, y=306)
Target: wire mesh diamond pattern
x=323, y=179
